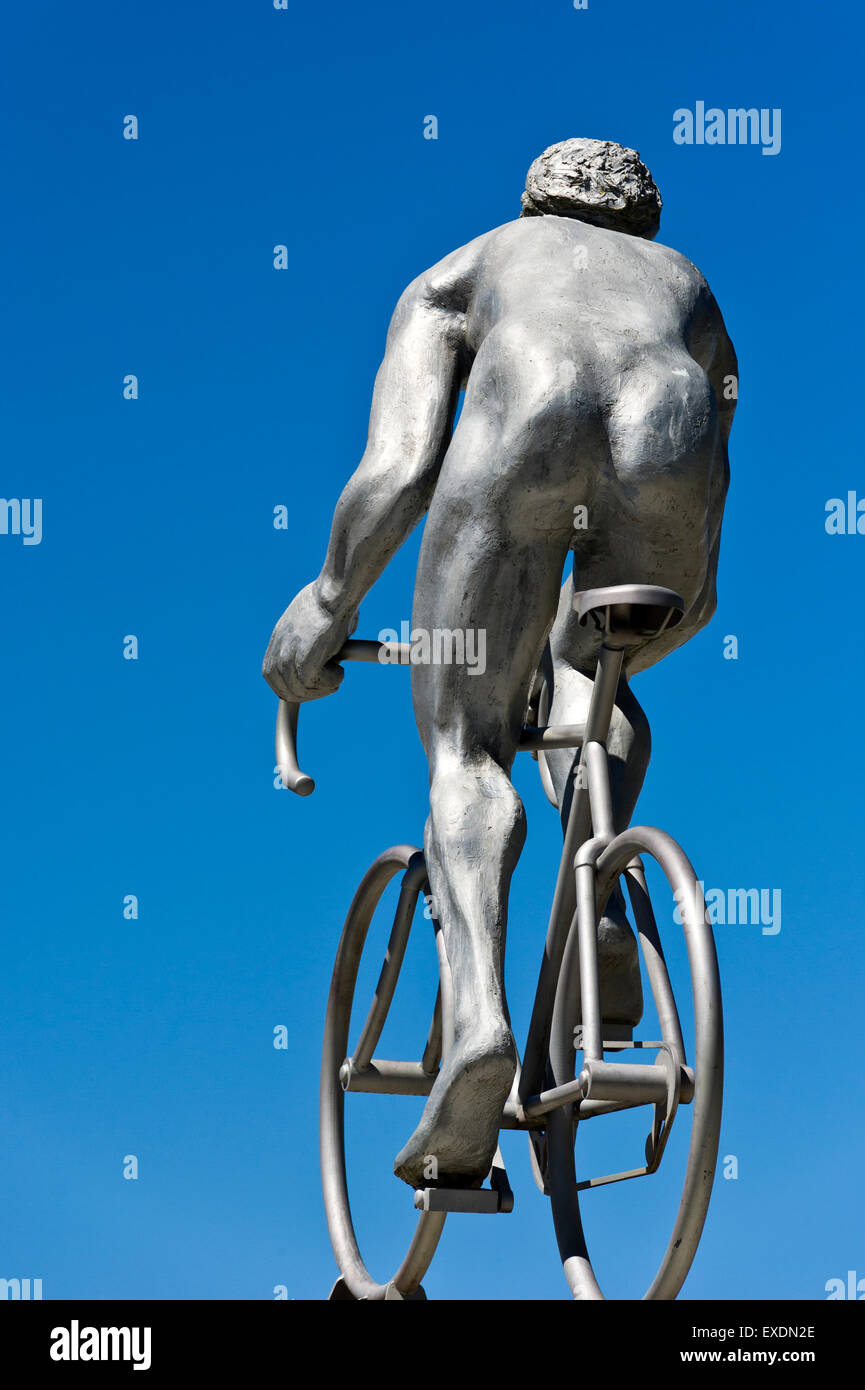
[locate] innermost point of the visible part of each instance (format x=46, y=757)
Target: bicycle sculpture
x=598, y=404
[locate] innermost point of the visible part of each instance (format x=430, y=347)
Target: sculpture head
x=595, y=181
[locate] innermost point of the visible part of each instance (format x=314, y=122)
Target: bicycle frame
x=563, y=1021
x=601, y=1087
x=591, y=805
x=547, y=1099
x=591, y=808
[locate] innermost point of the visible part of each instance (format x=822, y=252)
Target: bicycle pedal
x=481, y=1200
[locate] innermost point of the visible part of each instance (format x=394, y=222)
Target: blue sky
x=154, y=777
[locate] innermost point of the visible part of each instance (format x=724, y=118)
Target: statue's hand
x=298, y=663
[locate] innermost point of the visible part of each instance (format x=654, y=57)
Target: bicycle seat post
x=603, y=699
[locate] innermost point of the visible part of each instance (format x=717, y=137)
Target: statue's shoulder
x=461, y=264
x=708, y=340
x=688, y=283
x=446, y=283
x=675, y=263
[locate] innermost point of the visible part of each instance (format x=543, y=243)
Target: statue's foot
x=454, y=1144
x=618, y=968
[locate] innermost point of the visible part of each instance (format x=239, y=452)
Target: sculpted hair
x=595, y=181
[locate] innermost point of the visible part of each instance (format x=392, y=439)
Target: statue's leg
x=493, y=579
x=473, y=840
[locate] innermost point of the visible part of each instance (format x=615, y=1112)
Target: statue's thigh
x=487, y=588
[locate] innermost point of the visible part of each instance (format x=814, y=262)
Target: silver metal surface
x=629, y=421
x=607, y=862
x=383, y=1077
x=564, y=898
x=286, y=754
x=361, y=649
x=357, y=1280
x=630, y=614
x=552, y=736
x=479, y=1200
x=414, y=878
x=624, y=1082
x=601, y=1088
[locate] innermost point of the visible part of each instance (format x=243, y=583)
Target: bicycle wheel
x=342, y=1070
x=704, y=1081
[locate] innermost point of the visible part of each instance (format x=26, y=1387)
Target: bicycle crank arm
x=618, y=1085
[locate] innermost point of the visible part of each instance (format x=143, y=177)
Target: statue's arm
x=410, y=425
x=413, y=406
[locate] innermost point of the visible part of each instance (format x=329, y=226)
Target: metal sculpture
x=600, y=386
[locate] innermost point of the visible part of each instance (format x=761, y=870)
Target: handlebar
x=355, y=649
x=534, y=740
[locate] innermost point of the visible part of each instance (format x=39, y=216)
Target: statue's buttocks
x=584, y=389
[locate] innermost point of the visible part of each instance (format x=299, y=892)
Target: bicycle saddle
x=628, y=614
